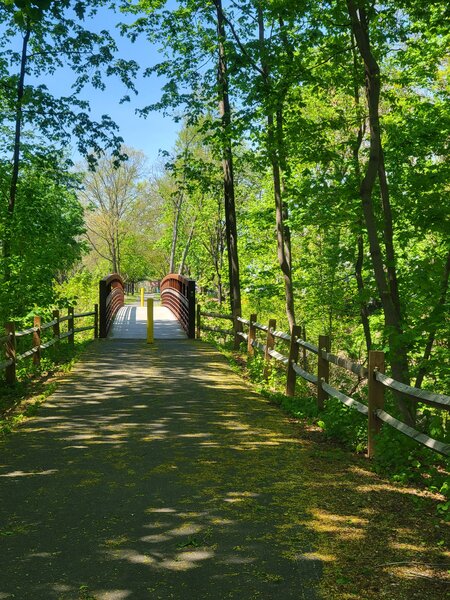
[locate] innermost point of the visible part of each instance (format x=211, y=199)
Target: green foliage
x=46, y=229
x=79, y=290
x=343, y=424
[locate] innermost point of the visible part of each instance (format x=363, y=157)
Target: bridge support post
x=199, y=321
x=178, y=295
x=191, y=308
x=95, y=321
x=111, y=298
x=150, y=322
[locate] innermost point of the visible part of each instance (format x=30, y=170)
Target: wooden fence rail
x=374, y=373
x=9, y=341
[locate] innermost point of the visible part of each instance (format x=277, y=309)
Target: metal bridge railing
x=111, y=298
x=178, y=294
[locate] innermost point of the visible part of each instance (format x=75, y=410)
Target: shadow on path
x=153, y=472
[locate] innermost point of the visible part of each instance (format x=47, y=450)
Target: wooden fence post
x=102, y=297
x=10, y=346
x=56, y=327
x=293, y=357
x=71, y=326
x=323, y=370
x=376, y=399
x=270, y=343
x=199, y=322
x=95, y=321
x=251, y=335
x=37, y=341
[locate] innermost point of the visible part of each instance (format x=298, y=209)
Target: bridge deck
x=153, y=472
x=130, y=322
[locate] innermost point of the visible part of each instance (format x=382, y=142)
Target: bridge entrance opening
x=173, y=310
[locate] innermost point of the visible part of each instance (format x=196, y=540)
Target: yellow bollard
x=142, y=297
x=150, y=321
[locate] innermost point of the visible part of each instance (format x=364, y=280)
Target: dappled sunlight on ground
x=169, y=478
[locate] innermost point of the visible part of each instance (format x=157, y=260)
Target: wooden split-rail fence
x=9, y=341
x=377, y=380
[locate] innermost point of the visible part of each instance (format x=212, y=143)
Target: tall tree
x=51, y=36
x=109, y=194
x=192, y=35
x=227, y=161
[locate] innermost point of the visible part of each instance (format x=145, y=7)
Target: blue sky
x=151, y=134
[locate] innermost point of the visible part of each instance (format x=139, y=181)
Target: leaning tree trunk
x=364, y=312
x=398, y=354
x=227, y=162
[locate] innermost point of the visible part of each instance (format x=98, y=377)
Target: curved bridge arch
x=178, y=295
x=111, y=298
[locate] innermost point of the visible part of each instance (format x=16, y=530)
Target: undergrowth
x=398, y=457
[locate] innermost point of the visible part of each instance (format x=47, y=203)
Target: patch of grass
x=85, y=594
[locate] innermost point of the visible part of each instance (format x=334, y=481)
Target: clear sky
x=150, y=134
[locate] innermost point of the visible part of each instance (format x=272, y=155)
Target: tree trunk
x=113, y=255
x=360, y=284
x=227, y=162
x=173, y=247
x=186, y=248
x=364, y=313
x=392, y=316
x=275, y=142
x=432, y=333
x=16, y=158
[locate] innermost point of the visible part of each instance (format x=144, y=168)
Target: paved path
x=153, y=472
x=130, y=322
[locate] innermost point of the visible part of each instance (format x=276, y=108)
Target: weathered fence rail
x=178, y=295
x=9, y=341
x=374, y=373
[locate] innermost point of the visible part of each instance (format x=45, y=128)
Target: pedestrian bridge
x=173, y=316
